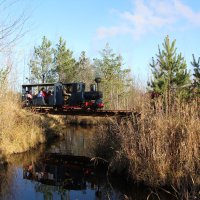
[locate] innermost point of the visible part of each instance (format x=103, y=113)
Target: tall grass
x=19, y=130
x=157, y=149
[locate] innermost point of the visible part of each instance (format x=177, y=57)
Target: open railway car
x=62, y=96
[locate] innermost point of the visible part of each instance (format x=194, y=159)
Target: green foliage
x=169, y=73
x=55, y=64
x=85, y=70
x=41, y=64
x=196, y=65
x=115, y=80
x=65, y=64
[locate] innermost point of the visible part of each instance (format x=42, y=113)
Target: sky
x=133, y=28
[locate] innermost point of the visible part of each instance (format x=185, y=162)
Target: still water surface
x=33, y=176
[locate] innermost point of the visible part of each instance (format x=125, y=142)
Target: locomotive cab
x=73, y=94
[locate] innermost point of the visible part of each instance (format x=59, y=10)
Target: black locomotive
x=63, y=95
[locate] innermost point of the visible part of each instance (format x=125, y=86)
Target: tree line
x=170, y=78
x=57, y=64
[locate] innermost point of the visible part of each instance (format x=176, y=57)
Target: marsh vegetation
x=156, y=149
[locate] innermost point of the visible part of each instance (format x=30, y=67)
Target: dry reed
x=157, y=149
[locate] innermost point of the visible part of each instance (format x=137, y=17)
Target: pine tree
x=41, y=64
x=65, y=64
x=169, y=73
x=196, y=65
x=114, y=78
x=85, y=70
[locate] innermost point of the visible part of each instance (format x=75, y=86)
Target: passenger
x=29, y=98
x=42, y=93
x=39, y=93
x=47, y=96
x=49, y=93
x=29, y=95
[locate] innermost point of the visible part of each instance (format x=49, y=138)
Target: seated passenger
x=39, y=94
x=29, y=97
x=47, y=96
x=49, y=93
x=42, y=93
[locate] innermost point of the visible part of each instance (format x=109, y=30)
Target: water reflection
x=61, y=170
x=75, y=141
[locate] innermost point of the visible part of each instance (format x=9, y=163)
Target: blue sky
x=133, y=28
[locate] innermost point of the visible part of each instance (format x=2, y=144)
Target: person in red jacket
x=43, y=93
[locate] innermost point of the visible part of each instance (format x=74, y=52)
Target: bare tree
x=11, y=28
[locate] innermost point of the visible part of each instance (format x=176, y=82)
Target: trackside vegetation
x=155, y=149
x=160, y=146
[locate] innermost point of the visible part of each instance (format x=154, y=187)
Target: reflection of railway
x=63, y=95
x=69, y=172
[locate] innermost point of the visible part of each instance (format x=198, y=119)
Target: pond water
x=57, y=171
x=62, y=170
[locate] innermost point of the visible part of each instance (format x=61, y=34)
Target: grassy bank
x=156, y=149
x=19, y=130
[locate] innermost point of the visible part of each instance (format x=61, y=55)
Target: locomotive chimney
x=43, y=77
x=98, y=80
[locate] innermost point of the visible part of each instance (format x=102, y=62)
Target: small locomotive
x=63, y=95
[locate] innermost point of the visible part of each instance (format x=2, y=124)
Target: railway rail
x=100, y=113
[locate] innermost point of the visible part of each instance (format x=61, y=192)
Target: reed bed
x=156, y=148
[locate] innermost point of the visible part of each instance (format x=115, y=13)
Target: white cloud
x=151, y=15
x=112, y=31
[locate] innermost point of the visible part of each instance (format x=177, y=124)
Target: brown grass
x=19, y=130
x=157, y=149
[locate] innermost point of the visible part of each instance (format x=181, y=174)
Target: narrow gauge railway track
x=101, y=113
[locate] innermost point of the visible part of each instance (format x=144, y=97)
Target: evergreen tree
x=65, y=64
x=41, y=64
x=114, y=78
x=85, y=70
x=169, y=73
x=196, y=65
